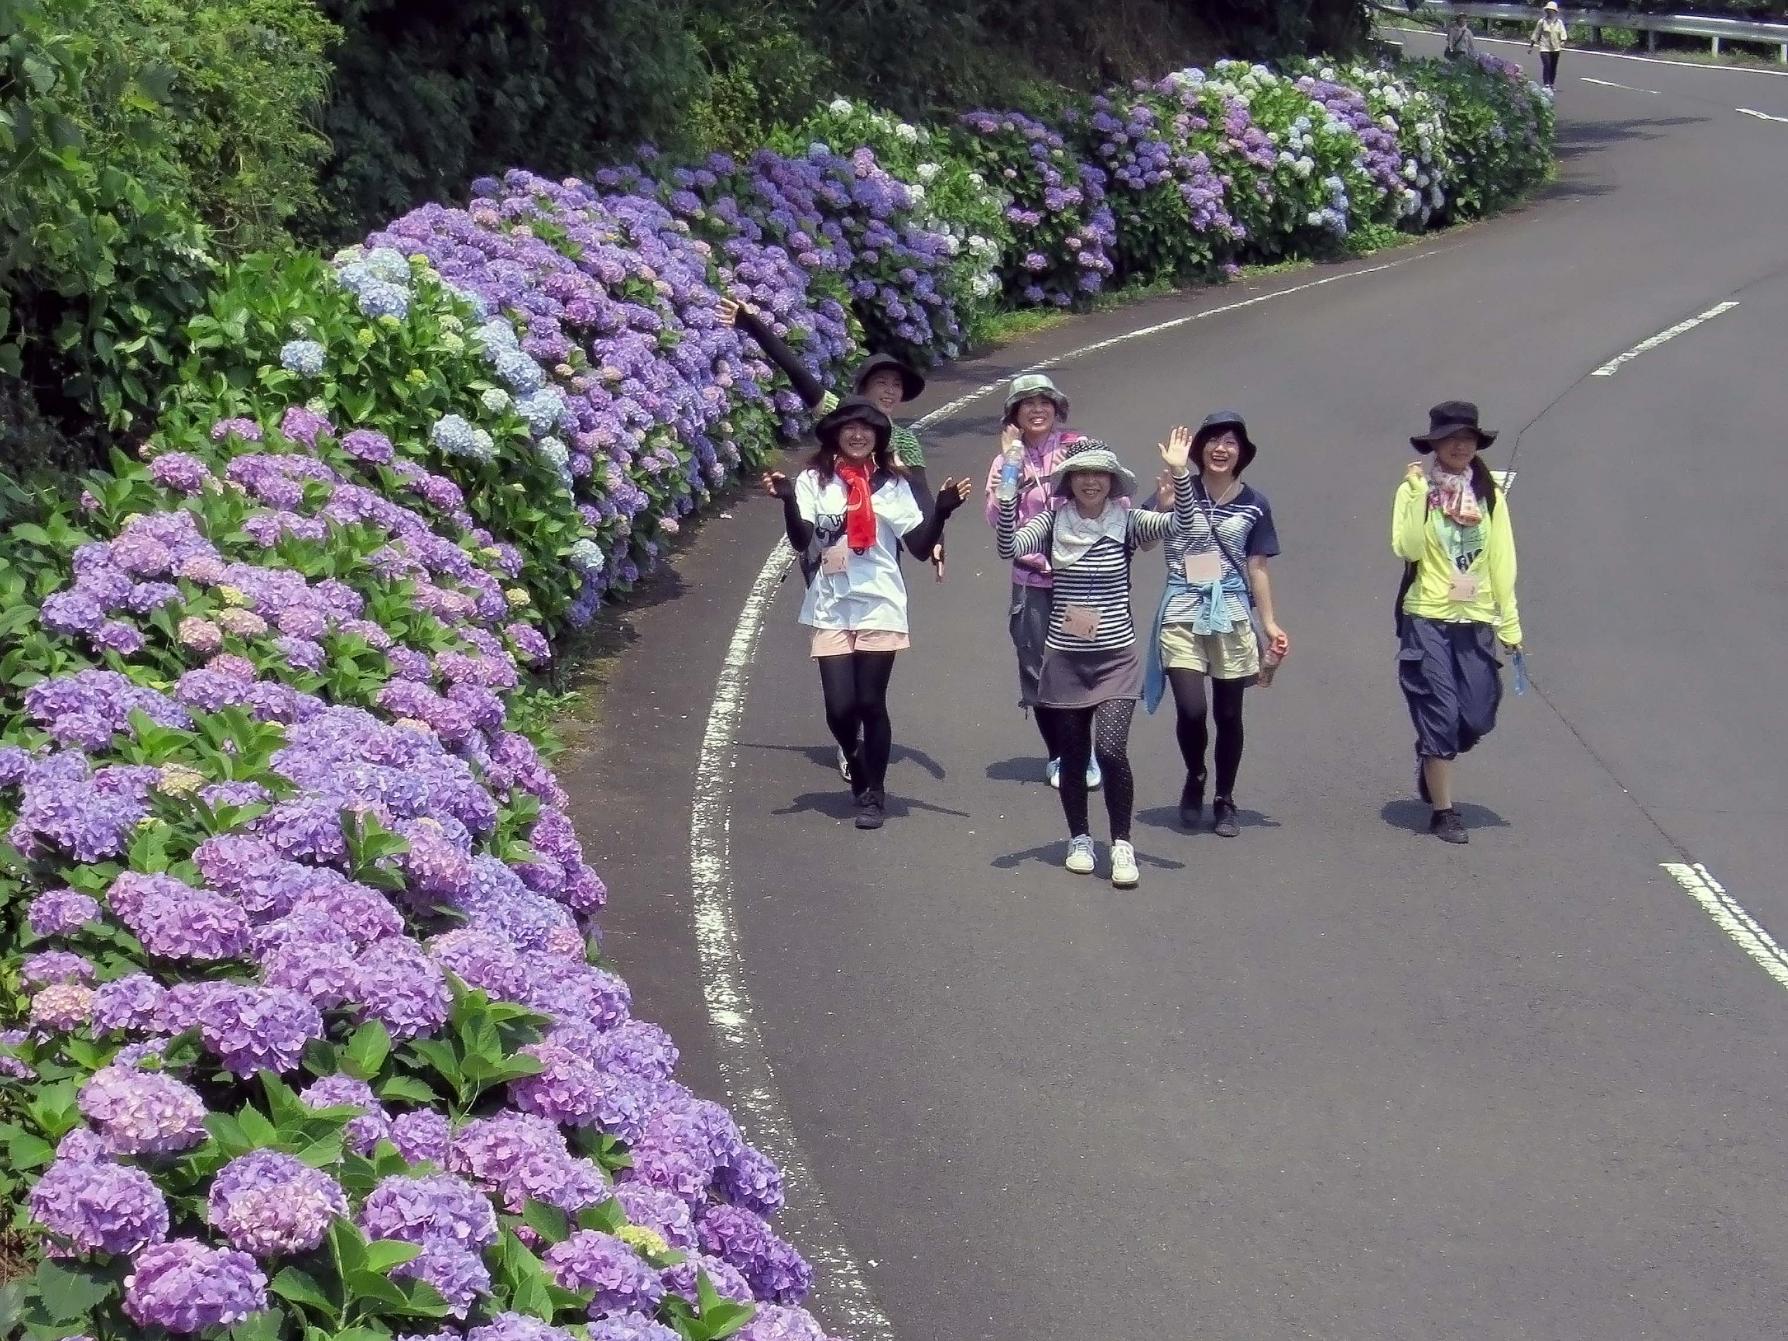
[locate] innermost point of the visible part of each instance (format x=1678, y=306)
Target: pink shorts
x=839, y=642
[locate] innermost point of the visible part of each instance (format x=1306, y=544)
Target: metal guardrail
x=1686, y=25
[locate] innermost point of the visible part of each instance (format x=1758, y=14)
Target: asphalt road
x=1332, y=1078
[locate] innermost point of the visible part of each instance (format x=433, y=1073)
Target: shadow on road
x=1021, y=768
x=1168, y=817
x=839, y=805
x=826, y=756
x=1413, y=816
x=1576, y=138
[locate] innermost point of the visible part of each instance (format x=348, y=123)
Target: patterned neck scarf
x=1453, y=495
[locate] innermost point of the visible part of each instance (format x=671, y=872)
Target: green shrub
x=101, y=252
x=245, y=77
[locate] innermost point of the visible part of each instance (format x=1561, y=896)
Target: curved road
x=1332, y=1079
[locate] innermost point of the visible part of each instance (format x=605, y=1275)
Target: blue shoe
x=1053, y=772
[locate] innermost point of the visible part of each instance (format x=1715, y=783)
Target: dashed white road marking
x=1761, y=116
x=744, y=1061
x=1609, y=83
x=1730, y=916
x=1615, y=364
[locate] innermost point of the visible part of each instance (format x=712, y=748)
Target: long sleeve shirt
x=1098, y=579
x=1549, y=34
x=1442, y=551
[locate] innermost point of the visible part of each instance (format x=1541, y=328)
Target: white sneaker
x=1080, y=855
x=1124, y=874
x=1094, y=778
x=1053, y=771
x=844, y=765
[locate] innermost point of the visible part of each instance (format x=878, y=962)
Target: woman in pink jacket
x=1037, y=412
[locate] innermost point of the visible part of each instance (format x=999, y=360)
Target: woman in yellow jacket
x=1550, y=34
x=1456, y=612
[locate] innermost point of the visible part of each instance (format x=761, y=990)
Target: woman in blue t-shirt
x=1217, y=586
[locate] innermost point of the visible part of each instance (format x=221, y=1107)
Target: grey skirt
x=1087, y=679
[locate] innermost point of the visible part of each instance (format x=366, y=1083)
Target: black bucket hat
x=1450, y=417
x=856, y=410
x=911, y=382
x=1214, y=424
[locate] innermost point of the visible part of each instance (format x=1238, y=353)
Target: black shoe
x=1448, y=827
x=1192, y=800
x=869, y=810
x=1223, y=817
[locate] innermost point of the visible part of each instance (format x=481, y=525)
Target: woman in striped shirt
x=1092, y=675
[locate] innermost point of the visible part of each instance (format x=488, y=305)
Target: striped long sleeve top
x=1098, y=579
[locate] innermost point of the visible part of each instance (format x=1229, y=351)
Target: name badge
x=1464, y=588
x=1080, y=621
x=835, y=558
x=1203, y=568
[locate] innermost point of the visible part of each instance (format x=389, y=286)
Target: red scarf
x=859, y=513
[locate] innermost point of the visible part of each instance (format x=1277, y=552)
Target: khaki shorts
x=1222, y=656
x=842, y=642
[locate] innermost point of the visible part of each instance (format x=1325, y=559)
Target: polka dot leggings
x=1102, y=732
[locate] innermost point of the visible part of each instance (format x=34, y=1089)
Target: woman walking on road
x=1549, y=34
x=1460, y=44
x=1216, y=582
x=1037, y=411
x=1456, y=611
x=854, y=503
x=1091, y=676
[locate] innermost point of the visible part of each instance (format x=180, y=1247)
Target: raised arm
x=798, y=527
x=1016, y=543
x=924, y=537
x=1144, y=528
x=746, y=318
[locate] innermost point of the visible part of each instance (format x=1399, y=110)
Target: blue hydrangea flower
x=304, y=357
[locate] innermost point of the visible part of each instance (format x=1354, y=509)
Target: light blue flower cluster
x=304, y=357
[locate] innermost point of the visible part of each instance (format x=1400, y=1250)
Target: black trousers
x=1549, y=68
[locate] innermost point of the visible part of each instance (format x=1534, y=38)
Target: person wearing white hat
x=1549, y=35
x=1035, y=418
x=1091, y=676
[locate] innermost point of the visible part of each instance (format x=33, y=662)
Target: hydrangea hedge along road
x=313, y=1034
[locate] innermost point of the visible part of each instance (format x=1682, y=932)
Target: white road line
x=1614, y=365
x=1609, y=83
x=744, y=1061
x=1761, y=116
x=1730, y=916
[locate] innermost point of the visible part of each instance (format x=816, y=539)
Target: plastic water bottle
x=1008, y=479
x=1520, y=672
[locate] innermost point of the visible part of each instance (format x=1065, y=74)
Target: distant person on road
x=854, y=502
x=1091, y=676
x=1216, y=585
x=1549, y=35
x=1456, y=613
x=1460, y=45
x=1038, y=412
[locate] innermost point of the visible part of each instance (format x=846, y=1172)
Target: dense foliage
x=315, y=1041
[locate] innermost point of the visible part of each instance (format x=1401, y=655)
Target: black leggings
x=856, y=689
x=1226, y=707
x=1082, y=733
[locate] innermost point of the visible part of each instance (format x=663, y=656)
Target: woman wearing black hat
x=1456, y=610
x=1091, y=676
x=1216, y=584
x=854, y=502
